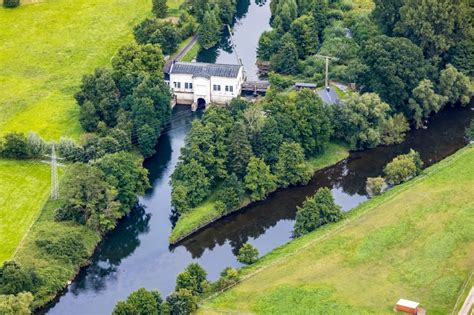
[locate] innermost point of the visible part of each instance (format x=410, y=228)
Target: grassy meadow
x=47, y=48
x=416, y=241
x=24, y=189
x=207, y=212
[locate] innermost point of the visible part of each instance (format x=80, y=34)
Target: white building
x=199, y=84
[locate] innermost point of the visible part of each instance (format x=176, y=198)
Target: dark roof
x=206, y=70
x=306, y=85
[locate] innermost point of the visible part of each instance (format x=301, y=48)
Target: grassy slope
x=55, y=273
x=206, y=212
x=47, y=50
x=415, y=241
x=24, y=189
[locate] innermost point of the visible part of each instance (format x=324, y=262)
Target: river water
x=252, y=19
x=136, y=254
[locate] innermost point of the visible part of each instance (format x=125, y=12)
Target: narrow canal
x=136, y=254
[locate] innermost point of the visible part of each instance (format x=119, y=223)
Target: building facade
x=198, y=84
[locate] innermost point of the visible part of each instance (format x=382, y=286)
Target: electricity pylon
x=54, y=175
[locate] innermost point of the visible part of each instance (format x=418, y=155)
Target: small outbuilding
x=407, y=306
x=304, y=85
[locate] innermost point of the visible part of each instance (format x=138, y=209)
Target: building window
x=216, y=87
x=229, y=88
x=186, y=86
x=190, y=86
x=177, y=85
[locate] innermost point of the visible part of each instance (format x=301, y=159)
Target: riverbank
x=411, y=242
x=55, y=271
x=198, y=218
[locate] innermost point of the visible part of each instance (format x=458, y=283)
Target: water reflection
x=250, y=17
x=109, y=256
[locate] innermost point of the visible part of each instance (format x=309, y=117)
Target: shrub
x=11, y=3
x=403, y=168
x=193, y=278
x=15, y=278
x=470, y=131
x=36, y=145
x=15, y=146
x=228, y=277
x=375, y=186
x=247, y=254
x=220, y=207
x=16, y=304
x=317, y=210
x=181, y=302
x=69, y=247
x=69, y=150
x=140, y=302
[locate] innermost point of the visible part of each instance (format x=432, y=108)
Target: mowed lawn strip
x=45, y=52
x=25, y=187
x=207, y=212
x=416, y=242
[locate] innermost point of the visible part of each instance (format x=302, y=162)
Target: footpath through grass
x=206, y=212
x=47, y=48
x=24, y=189
x=416, y=241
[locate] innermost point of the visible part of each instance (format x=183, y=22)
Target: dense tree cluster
x=165, y=33
x=317, y=210
x=212, y=16
x=15, y=278
x=250, y=148
x=100, y=193
x=16, y=145
x=364, y=121
x=132, y=98
x=400, y=51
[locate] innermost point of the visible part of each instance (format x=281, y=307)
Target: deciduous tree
x=259, y=181
x=456, y=86
x=247, y=254
x=317, y=210
x=291, y=168
x=159, y=8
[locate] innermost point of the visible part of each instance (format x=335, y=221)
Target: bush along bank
x=239, y=154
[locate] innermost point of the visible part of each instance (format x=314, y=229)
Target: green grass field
x=25, y=188
x=207, y=212
x=47, y=48
x=416, y=242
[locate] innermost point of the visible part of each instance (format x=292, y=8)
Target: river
x=136, y=254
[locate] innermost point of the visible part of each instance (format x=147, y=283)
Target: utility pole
x=54, y=175
x=327, y=67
